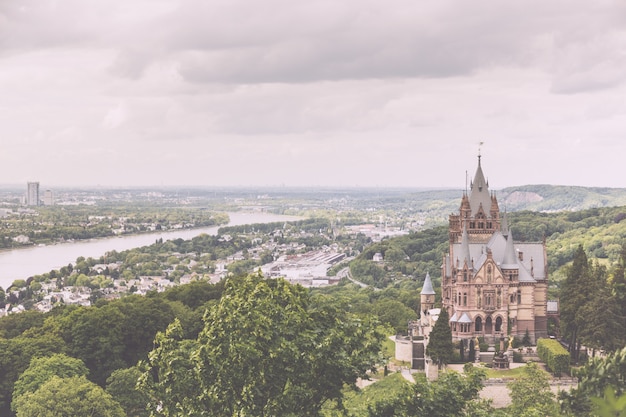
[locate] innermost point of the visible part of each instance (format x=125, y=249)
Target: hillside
x=601, y=232
x=542, y=198
x=554, y=198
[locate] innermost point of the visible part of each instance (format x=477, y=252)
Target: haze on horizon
x=317, y=93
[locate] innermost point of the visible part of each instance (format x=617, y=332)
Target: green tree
x=15, y=358
x=122, y=385
x=604, y=326
x=42, y=369
x=75, y=396
x=531, y=394
x=452, y=394
x=575, y=293
x=593, y=380
x=609, y=405
x=267, y=349
x=394, y=313
x=440, y=347
x=95, y=336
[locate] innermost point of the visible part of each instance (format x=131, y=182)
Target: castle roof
x=510, y=260
x=479, y=192
x=464, y=255
x=465, y=319
x=529, y=258
x=428, y=286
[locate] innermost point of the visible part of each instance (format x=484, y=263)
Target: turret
x=427, y=296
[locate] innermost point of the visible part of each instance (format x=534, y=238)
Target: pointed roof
x=465, y=256
x=428, y=286
x=465, y=319
x=510, y=260
x=479, y=192
x=454, y=318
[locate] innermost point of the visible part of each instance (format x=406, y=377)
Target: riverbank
x=25, y=262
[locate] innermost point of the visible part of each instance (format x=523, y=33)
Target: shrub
x=554, y=355
x=484, y=346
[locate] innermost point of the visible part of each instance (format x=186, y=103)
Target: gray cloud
x=318, y=92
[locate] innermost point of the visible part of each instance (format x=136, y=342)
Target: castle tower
x=427, y=296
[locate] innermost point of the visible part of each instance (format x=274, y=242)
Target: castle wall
x=404, y=349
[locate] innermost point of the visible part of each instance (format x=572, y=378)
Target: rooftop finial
x=480, y=144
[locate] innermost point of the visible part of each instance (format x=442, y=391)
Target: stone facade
x=492, y=286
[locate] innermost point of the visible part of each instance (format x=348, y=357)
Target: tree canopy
x=42, y=369
x=267, y=349
x=75, y=396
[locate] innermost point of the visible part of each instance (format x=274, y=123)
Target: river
x=26, y=262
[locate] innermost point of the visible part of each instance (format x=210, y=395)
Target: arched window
x=464, y=298
x=465, y=276
x=519, y=296
x=489, y=273
x=479, y=324
x=499, y=298
x=478, y=297
x=498, y=324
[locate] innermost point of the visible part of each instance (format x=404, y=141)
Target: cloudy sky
x=350, y=93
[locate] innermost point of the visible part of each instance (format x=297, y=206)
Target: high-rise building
x=48, y=198
x=492, y=286
x=32, y=194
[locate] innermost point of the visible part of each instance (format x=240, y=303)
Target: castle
x=491, y=286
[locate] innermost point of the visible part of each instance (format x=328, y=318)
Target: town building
x=32, y=194
x=48, y=198
x=492, y=286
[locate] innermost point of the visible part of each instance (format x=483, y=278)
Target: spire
x=479, y=191
x=427, y=289
x=504, y=227
x=465, y=248
x=510, y=260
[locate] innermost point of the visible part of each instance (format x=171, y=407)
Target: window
x=519, y=297
x=465, y=276
x=479, y=324
x=499, y=324
x=464, y=298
